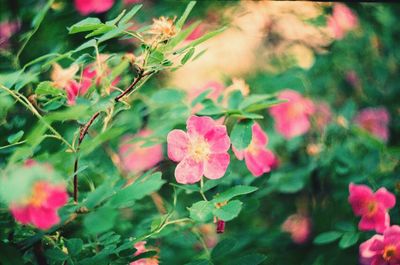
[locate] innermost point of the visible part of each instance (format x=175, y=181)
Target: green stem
x=201, y=189
x=24, y=101
x=10, y=145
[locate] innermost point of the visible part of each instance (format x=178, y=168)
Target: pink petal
x=43, y=218
x=365, y=247
x=96, y=6
x=359, y=196
x=178, y=142
x=238, y=153
x=366, y=224
x=188, y=171
x=21, y=214
x=216, y=165
x=392, y=235
x=387, y=199
x=57, y=197
x=259, y=162
x=72, y=92
x=199, y=125
x=218, y=139
x=258, y=135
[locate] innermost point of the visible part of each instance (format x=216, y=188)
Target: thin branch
x=84, y=130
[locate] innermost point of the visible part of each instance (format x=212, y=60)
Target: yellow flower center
x=389, y=252
x=372, y=207
x=199, y=149
x=39, y=194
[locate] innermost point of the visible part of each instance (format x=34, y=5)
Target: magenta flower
x=342, y=20
x=40, y=208
x=375, y=121
x=202, y=150
x=136, y=158
x=86, y=7
x=258, y=158
x=141, y=248
x=372, y=207
x=7, y=30
x=298, y=226
x=292, y=118
x=382, y=249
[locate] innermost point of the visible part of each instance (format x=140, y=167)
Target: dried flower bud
x=163, y=28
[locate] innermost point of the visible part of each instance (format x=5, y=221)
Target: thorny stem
x=84, y=130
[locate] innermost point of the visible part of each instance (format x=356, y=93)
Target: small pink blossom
x=86, y=7
x=202, y=150
x=353, y=79
x=130, y=2
x=298, y=226
x=292, y=118
x=197, y=32
x=372, y=207
x=136, y=158
x=40, y=208
x=7, y=30
x=141, y=248
x=375, y=121
x=258, y=158
x=342, y=20
x=322, y=115
x=382, y=249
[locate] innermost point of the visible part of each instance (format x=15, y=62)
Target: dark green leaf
x=233, y=192
x=241, y=134
x=88, y=24
x=327, y=237
x=348, y=239
x=223, y=248
x=201, y=211
x=229, y=211
x=13, y=138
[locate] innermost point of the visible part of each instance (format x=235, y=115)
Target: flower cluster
x=383, y=248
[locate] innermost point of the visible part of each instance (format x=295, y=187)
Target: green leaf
x=253, y=259
x=223, y=248
x=101, y=220
x=85, y=45
x=241, y=134
x=74, y=246
x=210, y=108
x=201, y=211
x=199, y=262
x=253, y=99
x=182, y=19
x=47, y=88
x=203, y=95
x=229, y=211
x=56, y=254
x=142, y=187
x=187, y=56
x=13, y=138
x=88, y=24
x=130, y=14
x=233, y=192
x=10, y=255
x=100, y=30
x=327, y=237
x=348, y=239
x=200, y=40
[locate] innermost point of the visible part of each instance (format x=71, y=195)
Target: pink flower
x=40, y=208
x=382, y=249
x=140, y=248
x=197, y=32
x=7, y=30
x=130, y=2
x=258, y=158
x=86, y=7
x=372, y=207
x=202, y=150
x=292, y=118
x=136, y=158
x=322, y=115
x=299, y=227
x=342, y=20
x=375, y=121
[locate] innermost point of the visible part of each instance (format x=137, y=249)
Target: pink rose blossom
x=40, y=208
x=375, y=121
x=136, y=158
x=292, y=118
x=258, y=158
x=130, y=2
x=7, y=30
x=140, y=248
x=342, y=20
x=299, y=227
x=372, y=207
x=86, y=7
x=382, y=249
x=202, y=150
